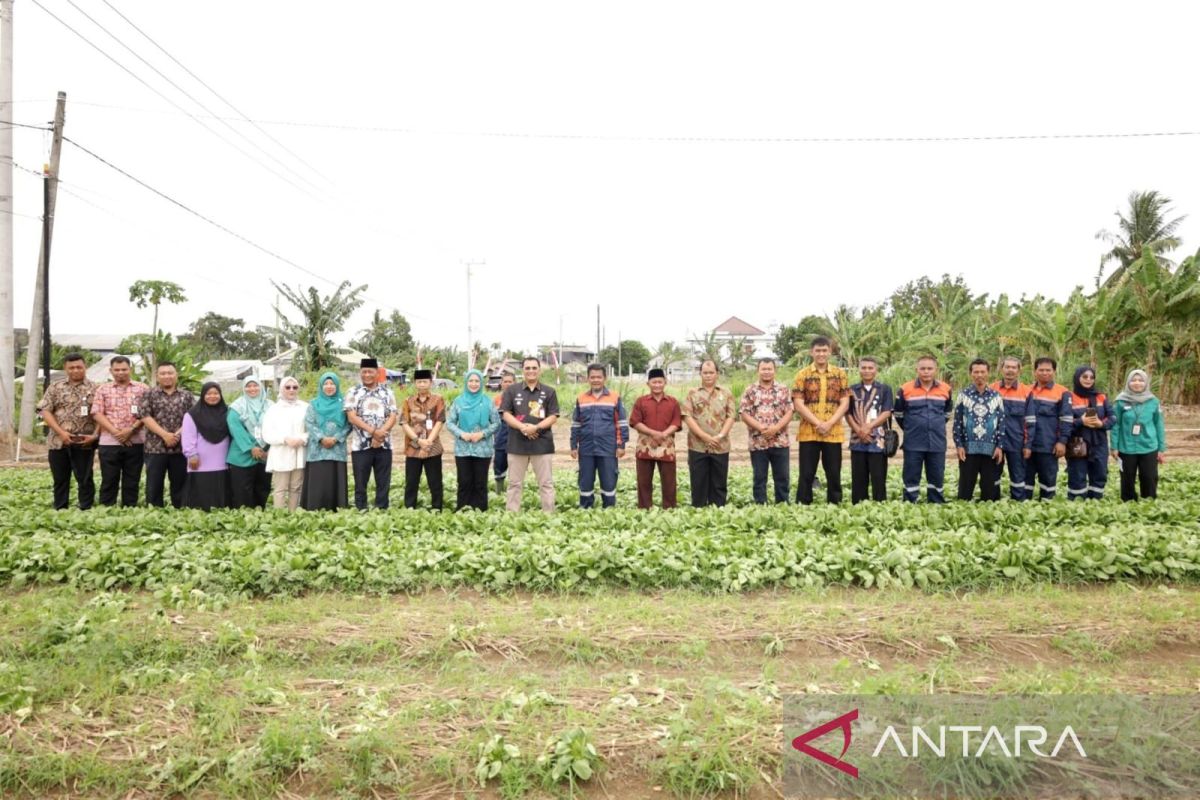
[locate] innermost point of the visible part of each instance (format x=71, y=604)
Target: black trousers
x=77, y=461
x=867, y=470
x=432, y=467
x=379, y=461
x=249, y=487
x=160, y=466
x=710, y=478
x=1142, y=468
x=472, y=481
x=984, y=469
x=830, y=456
x=120, y=468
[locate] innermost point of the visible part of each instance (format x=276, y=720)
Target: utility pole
x=39, y=319
x=620, y=369
x=7, y=339
x=470, y=331
x=598, y=348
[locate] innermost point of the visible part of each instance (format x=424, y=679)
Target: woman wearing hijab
x=249, y=483
x=473, y=421
x=1087, y=475
x=325, y=467
x=283, y=430
x=205, y=444
x=1138, y=437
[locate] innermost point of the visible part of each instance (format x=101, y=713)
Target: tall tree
x=633, y=355
x=155, y=293
x=319, y=318
x=1144, y=228
x=217, y=336
x=386, y=337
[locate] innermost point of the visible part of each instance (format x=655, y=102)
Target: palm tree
x=1145, y=230
x=321, y=317
x=667, y=353
x=708, y=347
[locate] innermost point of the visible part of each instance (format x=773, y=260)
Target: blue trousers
x=1086, y=477
x=934, y=464
x=778, y=459
x=1043, y=466
x=1018, y=487
x=588, y=467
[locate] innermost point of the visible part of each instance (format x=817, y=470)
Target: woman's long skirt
x=324, y=486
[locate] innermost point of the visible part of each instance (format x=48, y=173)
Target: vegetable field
x=959, y=545
x=603, y=654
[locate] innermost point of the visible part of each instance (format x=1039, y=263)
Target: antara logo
x=1032, y=736
x=801, y=743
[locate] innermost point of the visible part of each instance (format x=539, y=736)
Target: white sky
x=670, y=237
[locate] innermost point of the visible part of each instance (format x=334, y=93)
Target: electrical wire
x=228, y=231
x=189, y=96
x=696, y=139
x=214, y=92
x=187, y=113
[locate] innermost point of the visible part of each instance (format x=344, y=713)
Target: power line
x=11, y=124
x=697, y=139
x=224, y=229
x=187, y=113
x=215, y=93
x=189, y=96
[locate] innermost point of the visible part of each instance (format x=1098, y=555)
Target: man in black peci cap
x=422, y=416
x=371, y=410
x=657, y=418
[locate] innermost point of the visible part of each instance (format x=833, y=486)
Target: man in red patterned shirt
x=115, y=409
x=766, y=409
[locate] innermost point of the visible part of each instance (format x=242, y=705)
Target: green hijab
x=251, y=410
x=329, y=408
x=474, y=408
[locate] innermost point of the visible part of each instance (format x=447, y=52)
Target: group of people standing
x=1029, y=427
x=294, y=452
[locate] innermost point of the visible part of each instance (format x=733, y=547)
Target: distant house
x=279, y=367
x=230, y=373
x=570, y=353
x=733, y=331
x=99, y=345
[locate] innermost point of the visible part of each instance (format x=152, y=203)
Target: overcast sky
x=627, y=154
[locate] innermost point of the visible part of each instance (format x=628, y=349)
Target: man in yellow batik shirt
x=821, y=396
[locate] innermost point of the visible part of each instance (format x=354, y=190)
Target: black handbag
x=891, y=441
x=1077, y=446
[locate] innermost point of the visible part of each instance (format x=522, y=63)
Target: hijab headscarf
x=474, y=408
x=284, y=401
x=329, y=408
x=1129, y=395
x=212, y=421
x=1079, y=387
x=251, y=409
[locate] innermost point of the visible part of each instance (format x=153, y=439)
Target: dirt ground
x=1183, y=441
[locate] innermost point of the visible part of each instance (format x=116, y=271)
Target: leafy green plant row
x=264, y=554
x=719, y=550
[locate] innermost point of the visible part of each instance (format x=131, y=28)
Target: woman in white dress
x=283, y=429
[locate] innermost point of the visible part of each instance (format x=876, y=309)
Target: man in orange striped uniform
x=922, y=409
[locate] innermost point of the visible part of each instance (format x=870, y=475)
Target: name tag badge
x=133, y=409
x=428, y=424
x=1136, y=430
x=257, y=431
x=83, y=411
